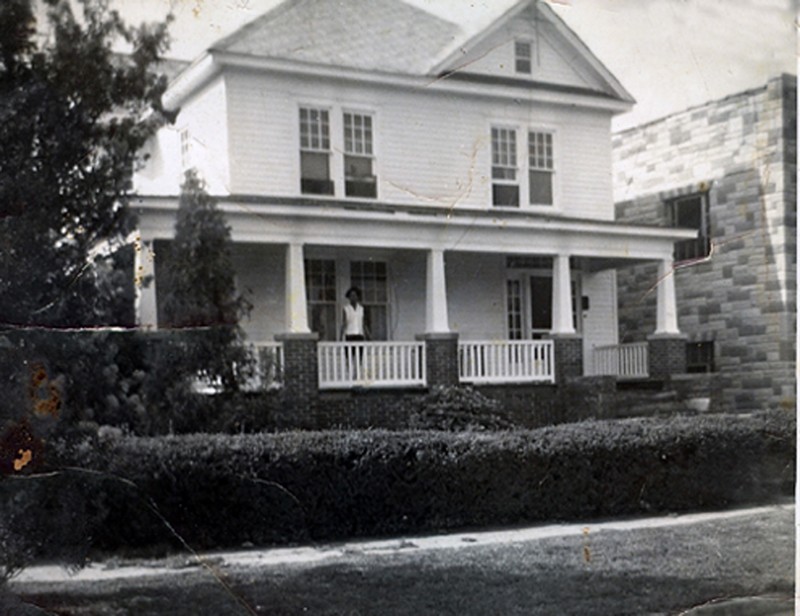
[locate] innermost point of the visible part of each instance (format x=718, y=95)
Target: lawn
x=662, y=570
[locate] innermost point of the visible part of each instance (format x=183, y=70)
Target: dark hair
x=355, y=290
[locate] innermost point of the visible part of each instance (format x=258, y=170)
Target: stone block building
x=728, y=169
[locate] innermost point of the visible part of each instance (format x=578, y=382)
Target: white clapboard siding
x=430, y=149
x=203, y=115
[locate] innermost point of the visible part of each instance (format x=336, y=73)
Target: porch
x=451, y=297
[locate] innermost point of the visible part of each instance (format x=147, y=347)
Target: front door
x=541, y=305
x=529, y=305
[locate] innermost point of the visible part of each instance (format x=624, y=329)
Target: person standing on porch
x=353, y=327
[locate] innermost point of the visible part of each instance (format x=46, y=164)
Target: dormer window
x=522, y=57
x=315, y=152
x=359, y=179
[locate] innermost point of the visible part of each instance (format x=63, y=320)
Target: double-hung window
x=505, y=184
x=371, y=278
x=540, y=168
x=359, y=179
x=522, y=57
x=321, y=297
x=315, y=152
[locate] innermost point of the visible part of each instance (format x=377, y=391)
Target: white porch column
x=667, y=312
x=296, y=307
x=436, y=295
x=562, y=296
x=144, y=283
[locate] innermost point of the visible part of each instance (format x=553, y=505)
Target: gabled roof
x=379, y=35
x=453, y=61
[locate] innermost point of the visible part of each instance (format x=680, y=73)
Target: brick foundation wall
x=743, y=299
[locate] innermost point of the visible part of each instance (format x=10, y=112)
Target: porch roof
x=281, y=220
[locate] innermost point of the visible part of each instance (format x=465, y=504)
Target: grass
x=644, y=571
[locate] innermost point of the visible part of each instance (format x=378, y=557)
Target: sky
x=669, y=54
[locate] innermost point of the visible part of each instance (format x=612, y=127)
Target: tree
x=74, y=116
x=200, y=289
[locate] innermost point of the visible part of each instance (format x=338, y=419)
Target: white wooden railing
x=506, y=361
x=371, y=364
x=268, y=368
x=625, y=361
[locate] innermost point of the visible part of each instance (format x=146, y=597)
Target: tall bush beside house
x=202, y=306
x=74, y=116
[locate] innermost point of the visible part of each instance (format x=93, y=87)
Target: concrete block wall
x=742, y=149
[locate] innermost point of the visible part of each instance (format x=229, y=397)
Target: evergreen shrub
x=220, y=490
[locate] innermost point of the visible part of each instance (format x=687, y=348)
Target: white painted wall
x=260, y=277
x=204, y=118
x=600, y=321
x=431, y=148
x=476, y=295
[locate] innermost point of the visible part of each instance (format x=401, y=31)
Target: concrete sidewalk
x=326, y=553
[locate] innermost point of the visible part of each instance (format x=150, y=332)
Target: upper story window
x=522, y=57
x=539, y=182
x=315, y=152
x=540, y=168
x=691, y=212
x=359, y=179
x=505, y=184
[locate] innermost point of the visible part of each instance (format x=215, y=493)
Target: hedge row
x=223, y=490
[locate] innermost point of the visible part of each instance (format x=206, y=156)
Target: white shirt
x=353, y=320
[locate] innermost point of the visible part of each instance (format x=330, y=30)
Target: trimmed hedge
x=223, y=490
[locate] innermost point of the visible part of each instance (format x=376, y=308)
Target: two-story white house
x=463, y=183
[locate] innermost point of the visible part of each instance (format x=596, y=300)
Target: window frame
x=512, y=166
x=325, y=303
x=693, y=248
x=522, y=134
x=310, y=149
x=370, y=303
x=523, y=58
x=542, y=169
x=371, y=115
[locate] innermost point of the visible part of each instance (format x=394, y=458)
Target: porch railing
x=268, y=368
x=371, y=364
x=625, y=361
x=506, y=361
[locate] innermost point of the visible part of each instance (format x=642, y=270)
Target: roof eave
x=199, y=73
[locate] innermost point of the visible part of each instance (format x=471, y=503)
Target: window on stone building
x=700, y=356
x=315, y=152
x=691, y=212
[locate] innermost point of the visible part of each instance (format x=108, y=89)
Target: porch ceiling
x=360, y=224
